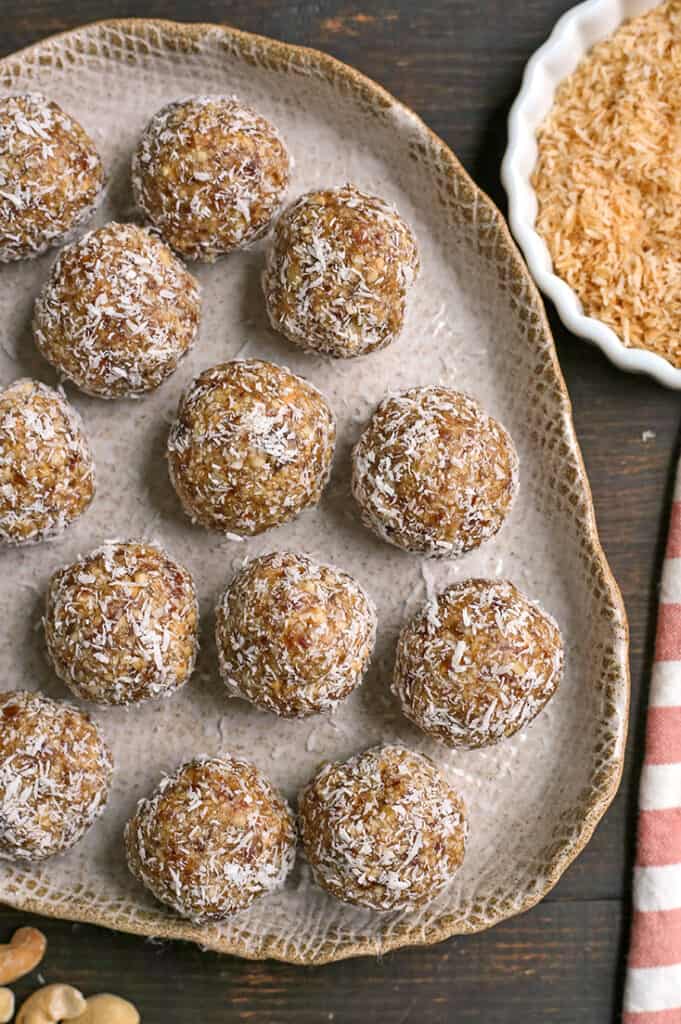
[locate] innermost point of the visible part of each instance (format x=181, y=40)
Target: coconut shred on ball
x=294, y=637
x=251, y=447
x=212, y=839
x=339, y=266
x=432, y=473
x=47, y=476
x=477, y=663
x=383, y=830
x=121, y=624
x=210, y=174
x=55, y=772
x=117, y=313
x=50, y=176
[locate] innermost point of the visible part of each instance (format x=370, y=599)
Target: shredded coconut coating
x=251, y=447
x=432, y=473
x=477, y=663
x=213, y=838
x=50, y=176
x=384, y=829
x=210, y=174
x=55, y=772
x=294, y=637
x=121, y=624
x=47, y=475
x=117, y=313
x=338, y=270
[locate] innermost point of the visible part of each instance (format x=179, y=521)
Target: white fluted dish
x=572, y=38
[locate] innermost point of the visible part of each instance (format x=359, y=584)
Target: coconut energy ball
x=210, y=174
x=55, y=771
x=432, y=473
x=384, y=829
x=477, y=663
x=251, y=447
x=47, y=476
x=213, y=838
x=117, y=313
x=338, y=270
x=294, y=637
x=50, y=175
x=121, y=624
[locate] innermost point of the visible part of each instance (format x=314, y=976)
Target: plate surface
x=573, y=36
x=476, y=322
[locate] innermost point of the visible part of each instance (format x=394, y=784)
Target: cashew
x=22, y=954
x=108, y=1009
x=51, y=1004
x=6, y=1005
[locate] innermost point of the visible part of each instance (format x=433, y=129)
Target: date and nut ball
x=55, y=772
x=214, y=837
x=121, y=624
x=383, y=830
x=294, y=637
x=434, y=474
x=51, y=176
x=210, y=174
x=477, y=663
x=47, y=476
x=117, y=313
x=338, y=270
x=251, y=447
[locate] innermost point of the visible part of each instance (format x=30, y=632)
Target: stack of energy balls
x=250, y=448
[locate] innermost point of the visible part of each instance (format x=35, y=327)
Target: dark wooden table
x=458, y=64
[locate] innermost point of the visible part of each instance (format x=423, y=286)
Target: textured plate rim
x=569, y=40
x=282, y=55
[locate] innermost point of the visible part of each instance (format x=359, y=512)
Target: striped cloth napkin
x=653, y=985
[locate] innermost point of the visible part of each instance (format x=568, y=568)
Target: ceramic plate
x=475, y=322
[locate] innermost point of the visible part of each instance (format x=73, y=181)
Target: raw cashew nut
x=108, y=1009
x=6, y=1005
x=22, y=954
x=51, y=1004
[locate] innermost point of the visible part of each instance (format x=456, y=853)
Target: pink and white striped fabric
x=653, y=985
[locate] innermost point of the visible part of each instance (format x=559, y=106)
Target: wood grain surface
x=458, y=64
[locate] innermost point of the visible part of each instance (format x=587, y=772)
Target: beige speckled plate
x=476, y=322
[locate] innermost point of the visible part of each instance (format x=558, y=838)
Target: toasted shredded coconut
x=608, y=181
